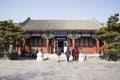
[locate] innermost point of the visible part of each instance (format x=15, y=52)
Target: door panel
x=55, y=45
x=65, y=46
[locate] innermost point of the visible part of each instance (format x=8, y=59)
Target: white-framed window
x=91, y=42
x=37, y=41
x=69, y=42
x=85, y=41
x=40, y=41
x=81, y=42
x=44, y=42
x=31, y=42
x=77, y=42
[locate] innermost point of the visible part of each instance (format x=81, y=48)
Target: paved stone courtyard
x=92, y=69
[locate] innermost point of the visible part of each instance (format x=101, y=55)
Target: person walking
x=34, y=53
x=67, y=53
x=58, y=52
x=76, y=53
x=73, y=54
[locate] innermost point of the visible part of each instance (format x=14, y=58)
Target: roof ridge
x=58, y=20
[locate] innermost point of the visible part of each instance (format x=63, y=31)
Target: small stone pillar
x=81, y=56
x=39, y=55
x=10, y=46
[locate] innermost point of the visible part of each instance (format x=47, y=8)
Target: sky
x=19, y=10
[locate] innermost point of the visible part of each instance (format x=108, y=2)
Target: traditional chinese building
x=49, y=34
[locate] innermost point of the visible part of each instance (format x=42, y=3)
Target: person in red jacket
x=76, y=53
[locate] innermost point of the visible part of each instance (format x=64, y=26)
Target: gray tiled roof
x=52, y=25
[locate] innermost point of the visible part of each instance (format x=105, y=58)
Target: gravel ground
x=92, y=69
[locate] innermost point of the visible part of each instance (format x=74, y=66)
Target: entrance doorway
x=61, y=44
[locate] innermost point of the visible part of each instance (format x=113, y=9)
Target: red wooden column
x=25, y=44
x=73, y=42
x=97, y=46
x=47, y=45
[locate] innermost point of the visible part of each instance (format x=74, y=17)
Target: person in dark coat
x=73, y=54
x=58, y=52
x=67, y=53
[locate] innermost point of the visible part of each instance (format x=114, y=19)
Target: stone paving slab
x=92, y=69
